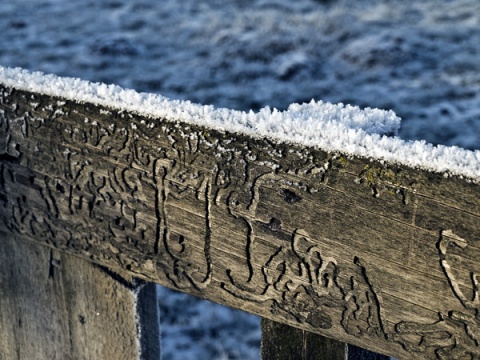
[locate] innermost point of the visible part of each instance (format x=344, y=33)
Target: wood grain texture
x=148, y=322
x=376, y=255
x=283, y=342
x=56, y=306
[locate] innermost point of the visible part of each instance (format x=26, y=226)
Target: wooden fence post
x=367, y=252
x=356, y=353
x=149, y=322
x=57, y=306
x=283, y=342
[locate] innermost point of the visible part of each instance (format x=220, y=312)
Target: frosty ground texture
x=418, y=58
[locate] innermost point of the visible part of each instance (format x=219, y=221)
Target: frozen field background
x=420, y=59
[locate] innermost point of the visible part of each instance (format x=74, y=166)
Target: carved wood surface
x=377, y=255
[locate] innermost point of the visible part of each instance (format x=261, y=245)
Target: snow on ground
x=418, y=58
x=199, y=329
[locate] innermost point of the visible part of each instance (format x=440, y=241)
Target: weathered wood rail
x=368, y=253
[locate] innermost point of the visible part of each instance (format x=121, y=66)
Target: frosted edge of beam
x=330, y=127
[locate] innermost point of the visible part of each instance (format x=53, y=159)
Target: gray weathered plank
x=372, y=254
x=56, y=306
x=356, y=353
x=148, y=322
x=280, y=341
x=283, y=342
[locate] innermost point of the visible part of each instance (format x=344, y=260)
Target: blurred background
x=419, y=59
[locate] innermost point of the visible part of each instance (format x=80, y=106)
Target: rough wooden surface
x=284, y=342
x=56, y=306
x=148, y=322
x=357, y=353
x=376, y=255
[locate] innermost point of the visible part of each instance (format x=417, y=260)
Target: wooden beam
x=377, y=255
x=56, y=306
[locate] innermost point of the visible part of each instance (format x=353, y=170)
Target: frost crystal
x=330, y=127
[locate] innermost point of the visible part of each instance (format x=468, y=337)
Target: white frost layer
x=330, y=127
